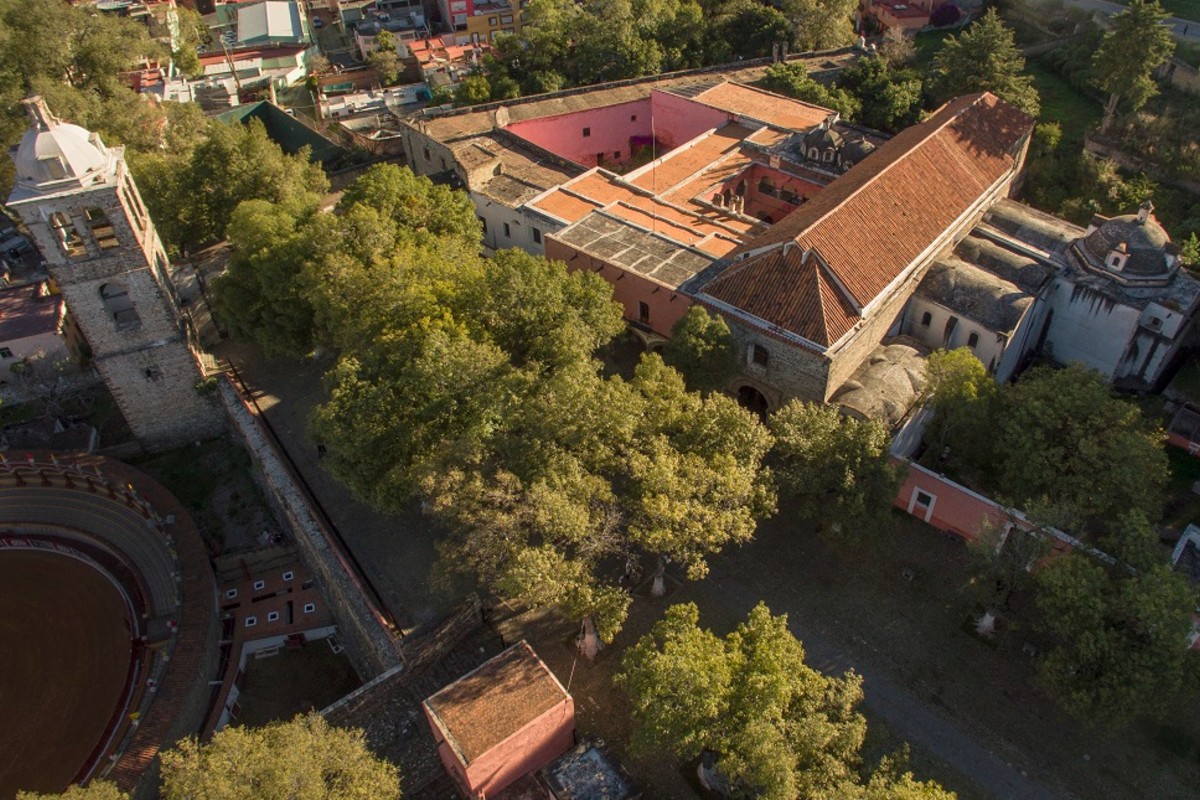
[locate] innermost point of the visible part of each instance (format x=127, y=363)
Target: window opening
x=102, y=229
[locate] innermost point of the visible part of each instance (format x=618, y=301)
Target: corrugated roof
x=872, y=223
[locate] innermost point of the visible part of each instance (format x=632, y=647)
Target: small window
x=828, y=156
x=260, y=585
x=507, y=231
x=643, y=313
x=443, y=163
x=230, y=594
x=617, y=154
x=633, y=117
x=119, y=306
x=310, y=608
x=251, y=622
x=537, y=236
x=926, y=319
x=973, y=340
x=272, y=616
x=587, y=132
x=759, y=355
x=102, y=229
x=924, y=499
x=5, y=352
x=427, y=156
x=506, y=19
x=67, y=235
x=287, y=576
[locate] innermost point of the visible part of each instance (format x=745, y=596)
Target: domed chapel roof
x=52, y=151
x=1139, y=236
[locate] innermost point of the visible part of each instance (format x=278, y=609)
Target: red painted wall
x=610, y=128
x=675, y=120
x=531, y=748
x=629, y=288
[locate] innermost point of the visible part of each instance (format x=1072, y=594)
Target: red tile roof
x=870, y=225
x=812, y=306
x=756, y=104
x=483, y=708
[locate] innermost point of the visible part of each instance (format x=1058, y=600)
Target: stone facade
x=105, y=256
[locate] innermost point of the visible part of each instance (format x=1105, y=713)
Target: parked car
x=317, y=22
x=14, y=245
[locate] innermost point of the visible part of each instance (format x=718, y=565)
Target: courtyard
x=891, y=608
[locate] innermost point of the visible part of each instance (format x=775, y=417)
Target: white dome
x=52, y=151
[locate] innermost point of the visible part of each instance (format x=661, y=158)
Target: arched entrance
x=752, y=399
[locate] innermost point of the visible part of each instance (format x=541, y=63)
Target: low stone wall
x=372, y=644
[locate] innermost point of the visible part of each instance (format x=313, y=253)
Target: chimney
x=1144, y=212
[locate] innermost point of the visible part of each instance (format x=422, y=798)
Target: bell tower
x=80, y=203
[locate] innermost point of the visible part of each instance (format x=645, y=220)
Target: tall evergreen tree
x=1136, y=44
x=984, y=58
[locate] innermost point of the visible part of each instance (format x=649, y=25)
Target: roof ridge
x=906, y=153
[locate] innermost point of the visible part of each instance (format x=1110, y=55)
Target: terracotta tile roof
x=565, y=206
x=869, y=225
x=807, y=303
x=772, y=109
x=485, y=707
x=684, y=162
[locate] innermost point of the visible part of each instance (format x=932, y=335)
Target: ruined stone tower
x=81, y=206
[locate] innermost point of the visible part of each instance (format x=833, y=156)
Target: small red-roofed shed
x=505, y=719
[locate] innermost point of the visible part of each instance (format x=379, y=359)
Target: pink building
x=507, y=718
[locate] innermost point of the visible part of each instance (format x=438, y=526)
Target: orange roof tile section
x=684, y=162
x=872, y=223
x=785, y=289
x=565, y=206
x=763, y=106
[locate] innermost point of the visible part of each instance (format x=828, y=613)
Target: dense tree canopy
x=1121, y=638
x=835, y=469
x=1057, y=441
x=702, y=348
x=385, y=59
x=779, y=728
x=571, y=44
x=304, y=759
x=1136, y=44
x=889, y=98
x=984, y=57
x=791, y=79
x=471, y=385
x=192, y=190
x=96, y=790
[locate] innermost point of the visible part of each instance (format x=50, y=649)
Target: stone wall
x=372, y=645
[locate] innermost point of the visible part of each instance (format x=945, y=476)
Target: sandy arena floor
x=64, y=660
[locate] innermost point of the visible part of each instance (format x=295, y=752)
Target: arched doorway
x=752, y=399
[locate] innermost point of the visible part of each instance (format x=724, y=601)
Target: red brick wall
x=629, y=289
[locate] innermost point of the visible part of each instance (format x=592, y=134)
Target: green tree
x=414, y=203
x=746, y=29
x=1189, y=250
x=304, y=759
x=385, y=59
x=192, y=194
x=890, y=99
x=960, y=393
x=791, y=79
x=702, y=348
x=1121, y=638
x=260, y=295
x=837, y=470
x=1136, y=44
x=1062, y=440
x=780, y=728
x=472, y=90
x=820, y=24
x=96, y=790
x=984, y=58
